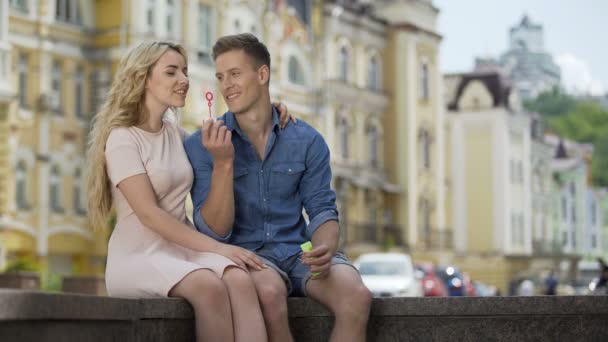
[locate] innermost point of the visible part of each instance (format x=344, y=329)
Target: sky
x=575, y=33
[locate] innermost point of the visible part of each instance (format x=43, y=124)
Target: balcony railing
x=387, y=235
x=437, y=239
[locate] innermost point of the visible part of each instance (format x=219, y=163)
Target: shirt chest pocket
x=285, y=179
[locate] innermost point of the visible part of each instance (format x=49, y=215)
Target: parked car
x=452, y=278
x=469, y=287
x=389, y=274
x=484, y=290
x=432, y=285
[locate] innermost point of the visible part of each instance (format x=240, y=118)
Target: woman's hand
x=284, y=115
x=241, y=256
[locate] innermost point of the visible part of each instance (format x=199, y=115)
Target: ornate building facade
x=365, y=74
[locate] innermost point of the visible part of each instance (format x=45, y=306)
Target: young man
x=252, y=180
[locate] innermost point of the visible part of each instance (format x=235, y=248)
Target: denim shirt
x=270, y=193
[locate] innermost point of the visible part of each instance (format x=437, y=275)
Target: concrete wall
x=37, y=316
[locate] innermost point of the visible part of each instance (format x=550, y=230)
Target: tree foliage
x=579, y=120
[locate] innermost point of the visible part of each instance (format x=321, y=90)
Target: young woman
x=137, y=164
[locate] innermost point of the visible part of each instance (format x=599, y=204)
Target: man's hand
x=284, y=115
x=319, y=260
x=217, y=139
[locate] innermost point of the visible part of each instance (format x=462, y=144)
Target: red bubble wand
x=209, y=98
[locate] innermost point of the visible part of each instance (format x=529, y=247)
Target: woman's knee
x=238, y=279
x=203, y=287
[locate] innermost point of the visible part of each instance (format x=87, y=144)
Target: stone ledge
x=25, y=315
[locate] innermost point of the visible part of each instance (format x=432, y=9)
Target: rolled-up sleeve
x=315, y=187
x=202, y=166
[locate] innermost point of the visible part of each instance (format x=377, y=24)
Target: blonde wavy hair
x=123, y=107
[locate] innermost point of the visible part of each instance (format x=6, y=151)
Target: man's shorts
x=293, y=271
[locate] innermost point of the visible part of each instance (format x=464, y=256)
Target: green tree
x=579, y=120
x=554, y=102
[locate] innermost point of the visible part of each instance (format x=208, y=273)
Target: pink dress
x=141, y=263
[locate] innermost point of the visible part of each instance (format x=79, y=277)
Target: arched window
x=68, y=11
x=424, y=81
x=425, y=149
x=372, y=136
x=150, y=5
x=343, y=135
x=170, y=14
x=343, y=63
x=373, y=73
x=55, y=193
x=21, y=185
x=79, y=93
x=425, y=220
x=77, y=198
x=296, y=75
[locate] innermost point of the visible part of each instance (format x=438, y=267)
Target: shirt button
x=267, y=234
x=264, y=200
x=289, y=170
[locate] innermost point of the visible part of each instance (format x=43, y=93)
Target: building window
x=204, y=33
x=150, y=4
x=343, y=63
x=79, y=93
x=21, y=185
x=425, y=220
x=573, y=202
x=301, y=9
x=237, y=26
x=20, y=5
x=68, y=11
x=296, y=75
x=372, y=134
x=425, y=149
x=424, y=81
x=373, y=74
x=56, y=94
x=3, y=18
x=77, y=199
x=170, y=20
x=22, y=76
x=55, y=194
x=343, y=135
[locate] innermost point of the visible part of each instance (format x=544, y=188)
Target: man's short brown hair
x=246, y=42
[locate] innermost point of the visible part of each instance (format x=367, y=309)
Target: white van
x=389, y=275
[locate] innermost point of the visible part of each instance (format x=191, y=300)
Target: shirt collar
x=233, y=125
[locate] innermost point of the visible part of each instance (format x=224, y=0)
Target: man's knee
x=355, y=302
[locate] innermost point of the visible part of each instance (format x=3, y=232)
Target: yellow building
x=489, y=163
x=365, y=76
x=46, y=57
x=414, y=131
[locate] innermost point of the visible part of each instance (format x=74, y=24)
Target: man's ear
x=264, y=74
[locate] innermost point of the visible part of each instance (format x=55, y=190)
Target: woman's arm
x=139, y=193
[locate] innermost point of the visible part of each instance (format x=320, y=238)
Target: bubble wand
x=209, y=98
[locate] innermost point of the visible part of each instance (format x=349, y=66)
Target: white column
x=459, y=185
x=43, y=150
x=440, y=145
x=411, y=73
x=527, y=188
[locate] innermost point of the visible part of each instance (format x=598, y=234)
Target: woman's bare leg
x=208, y=295
x=246, y=312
